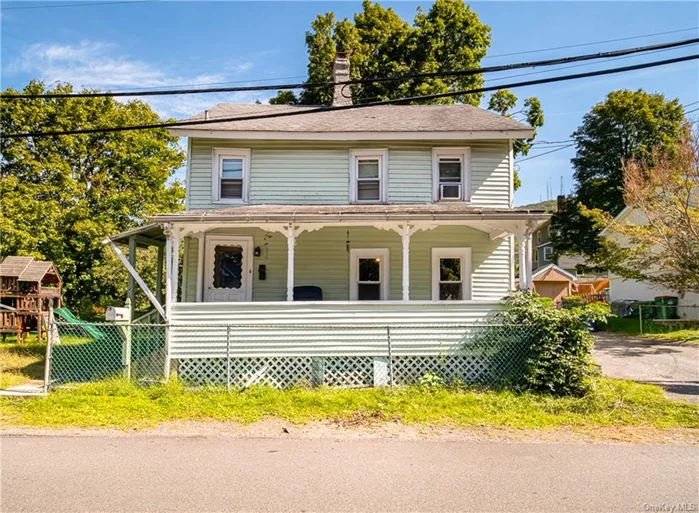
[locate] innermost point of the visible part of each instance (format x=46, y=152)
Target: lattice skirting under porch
x=345, y=371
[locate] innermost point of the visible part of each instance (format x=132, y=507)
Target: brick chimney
x=560, y=203
x=341, y=73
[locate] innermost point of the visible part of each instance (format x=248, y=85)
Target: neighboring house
x=625, y=289
x=387, y=214
x=544, y=245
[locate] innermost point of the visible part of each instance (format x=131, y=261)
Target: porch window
x=450, y=179
x=368, y=176
x=231, y=170
x=451, y=274
x=369, y=274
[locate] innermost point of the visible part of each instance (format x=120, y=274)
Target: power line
x=591, y=43
x=545, y=153
x=81, y=4
x=395, y=101
x=467, y=72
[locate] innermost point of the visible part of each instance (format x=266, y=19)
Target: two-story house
x=393, y=213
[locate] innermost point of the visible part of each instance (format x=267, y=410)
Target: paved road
x=142, y=473
x=673, y=366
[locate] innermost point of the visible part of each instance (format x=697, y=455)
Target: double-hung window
x=547, y=253
x=231, y=175
x=368, y=175
x=369, y=274
x=451, y=274
x=451, y=174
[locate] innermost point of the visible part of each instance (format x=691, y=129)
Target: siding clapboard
x=322, y=259
x=317, y=172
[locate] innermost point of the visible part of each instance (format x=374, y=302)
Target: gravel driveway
x=672, y=365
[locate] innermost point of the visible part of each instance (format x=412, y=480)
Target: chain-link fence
x=651, y=317
x=238, y=356
x=85, y=352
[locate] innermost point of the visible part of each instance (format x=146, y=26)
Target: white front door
x=228, y=268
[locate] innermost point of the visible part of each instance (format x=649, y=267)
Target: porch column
x=522, y=260
x=200, y=267
x=132, y=282
x=175, y=265
x=168, y=271
x=159, y=275
x=406, y=262
x=530, y=284
x=291, y=244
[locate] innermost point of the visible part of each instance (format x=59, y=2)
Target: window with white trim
x=450, y=174
x=369, y=274
x=538, y=237
x=368, y=175
x=231, y=171
x=451, y=274
x=547, y=253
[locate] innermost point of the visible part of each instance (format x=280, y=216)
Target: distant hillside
x=548, y=205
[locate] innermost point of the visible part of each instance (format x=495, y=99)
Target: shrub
x=560, y=345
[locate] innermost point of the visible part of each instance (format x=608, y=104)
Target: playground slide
x=68, y=316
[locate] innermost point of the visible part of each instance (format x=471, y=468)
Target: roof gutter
x=210, y=133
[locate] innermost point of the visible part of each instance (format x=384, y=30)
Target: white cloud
x=99, y=65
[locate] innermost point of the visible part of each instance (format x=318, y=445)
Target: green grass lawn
x=21, y=362
x=676, y=333
x=119, y=404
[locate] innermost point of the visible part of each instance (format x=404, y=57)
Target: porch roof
x=344, y=213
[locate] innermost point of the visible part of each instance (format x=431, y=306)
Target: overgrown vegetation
x=120, y=404
x=21, y=362
x=560, y=344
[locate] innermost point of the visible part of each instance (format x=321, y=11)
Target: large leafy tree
x=60, y=196
x=448, y=37
x=660, y=241
x=627, y=126
x=380, y=44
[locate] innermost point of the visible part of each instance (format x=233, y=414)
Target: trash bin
x=667, y=307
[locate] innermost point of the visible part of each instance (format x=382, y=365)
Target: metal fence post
x=390, y=357
x=51, y=325
x=228, y=358
x=640, y=319
x=166, y=371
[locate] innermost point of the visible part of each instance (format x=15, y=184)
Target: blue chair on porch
x=308, y=293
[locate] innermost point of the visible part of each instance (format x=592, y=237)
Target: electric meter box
x=115, y=313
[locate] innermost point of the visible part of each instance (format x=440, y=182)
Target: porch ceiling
x=261, y=214
x=148, y=235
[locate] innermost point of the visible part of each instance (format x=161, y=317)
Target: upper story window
x=538, y=237
x=368, y=176
x=231, y=175
x=547, y=253
x=451, y=174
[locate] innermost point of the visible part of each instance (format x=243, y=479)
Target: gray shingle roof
x=382, y=118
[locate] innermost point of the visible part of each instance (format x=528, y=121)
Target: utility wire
x=545, y=153
x=457, y=73
x=592, y=43
x=300, y=112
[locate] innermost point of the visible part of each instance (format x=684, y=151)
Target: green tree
x=284, y=98
x=448, y=36
x=627, y=125
x=502, y=102
x=60, y=196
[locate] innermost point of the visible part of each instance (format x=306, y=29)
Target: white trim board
x=354, y=136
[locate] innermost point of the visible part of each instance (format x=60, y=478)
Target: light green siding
x=317, y=173
x=322, y=259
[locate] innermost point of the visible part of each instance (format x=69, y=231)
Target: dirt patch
x=371, y=426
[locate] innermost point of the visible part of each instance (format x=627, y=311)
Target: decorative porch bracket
x=405, y=230
x=137, y=278
x=291, y=231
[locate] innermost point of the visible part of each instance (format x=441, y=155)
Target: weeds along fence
x=239, y=356
x=654, y=318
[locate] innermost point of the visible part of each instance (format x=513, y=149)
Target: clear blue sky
x=156, y=44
